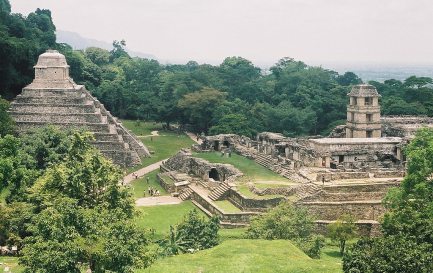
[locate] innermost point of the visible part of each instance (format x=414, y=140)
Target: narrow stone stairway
x=219, y=191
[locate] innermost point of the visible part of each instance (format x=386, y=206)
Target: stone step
x=50, y=93
x=56, y=117
x=52, y=108
x=51, y=100
x=110, y=145
x=107, y=137
x=186, y=194
x=120, y=157
x=24, y=126
x=219, y=192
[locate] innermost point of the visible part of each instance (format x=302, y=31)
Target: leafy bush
x=193, y=233
x=342, y=230
x=287, y=222
x=389, y=254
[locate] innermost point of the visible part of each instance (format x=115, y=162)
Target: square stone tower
x=363, y=112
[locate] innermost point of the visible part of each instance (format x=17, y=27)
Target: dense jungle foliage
x=233, y=97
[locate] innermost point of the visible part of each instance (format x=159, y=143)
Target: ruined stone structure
x=212, y=173
x=363, y=112
x=53, y=98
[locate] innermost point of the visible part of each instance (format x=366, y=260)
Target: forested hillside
x=22, y=40
x=233, y=97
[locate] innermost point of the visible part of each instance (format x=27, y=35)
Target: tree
x=342, y=230
x=283, y=222
x=65, y=235
x=97, y=55
x=118, y=50
x=5, y=6
x=348, y=78
x=85, y=176
x=232, y=124
x=388, y=254
x=200, y=106
x=193, y=233
x=287, y=222
x=6, y=122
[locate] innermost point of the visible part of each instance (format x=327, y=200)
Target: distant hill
x=381, y=73
x=79, y=42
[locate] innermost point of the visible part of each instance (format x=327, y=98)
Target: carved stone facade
x=54, y=99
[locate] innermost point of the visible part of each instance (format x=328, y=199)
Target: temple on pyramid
x=53, y=98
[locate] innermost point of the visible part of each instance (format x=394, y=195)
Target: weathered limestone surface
x=184, y=162
x=54, y=99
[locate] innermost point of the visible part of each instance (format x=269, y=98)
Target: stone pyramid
x=53, y=98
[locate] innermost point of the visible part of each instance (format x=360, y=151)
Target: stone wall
x=235, y=218
x=185, y=163
x=324, y=196
x=364, y=187
x=250, y=204
x=363, y=228
x=166, y=182
x=360, y=210
x=330, y=176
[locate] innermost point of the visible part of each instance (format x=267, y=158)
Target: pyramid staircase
x=75, y=108
x=218, y=192
x=186, y=194
x=264, y=160
x=307, y=189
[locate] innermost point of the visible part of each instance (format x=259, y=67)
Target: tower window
x=368, y=101
x=369, y=134
x=354, y=101
x=369, y=117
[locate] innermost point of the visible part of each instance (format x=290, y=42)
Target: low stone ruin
x=212, y=173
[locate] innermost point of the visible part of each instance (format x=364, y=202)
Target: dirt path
x=157, y=200
x=152, y=134
x=141, y=172
x=194, y=138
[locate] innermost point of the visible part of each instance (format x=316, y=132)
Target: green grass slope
x=259, y=256
x=159, y=218
x=249, y=167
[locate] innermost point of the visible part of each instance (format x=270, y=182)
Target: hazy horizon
x=318, y=32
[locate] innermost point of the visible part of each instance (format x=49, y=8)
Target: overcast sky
x=263, y=31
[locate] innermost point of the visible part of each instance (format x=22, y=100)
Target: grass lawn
x=250, y=168
x=141, y=128
x=12, y=263
x=242, y=255
x=232, y=233
x=227, y=206
x=161, y=217
x=140, y=185
x=163, y=147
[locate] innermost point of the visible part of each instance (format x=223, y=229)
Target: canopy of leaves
x=287, y=221
x=22, y=40
x=67, y=208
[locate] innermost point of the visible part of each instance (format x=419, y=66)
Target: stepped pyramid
x=54, y=98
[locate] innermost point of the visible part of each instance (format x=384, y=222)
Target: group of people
x=152, y=192
x=228, y=152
